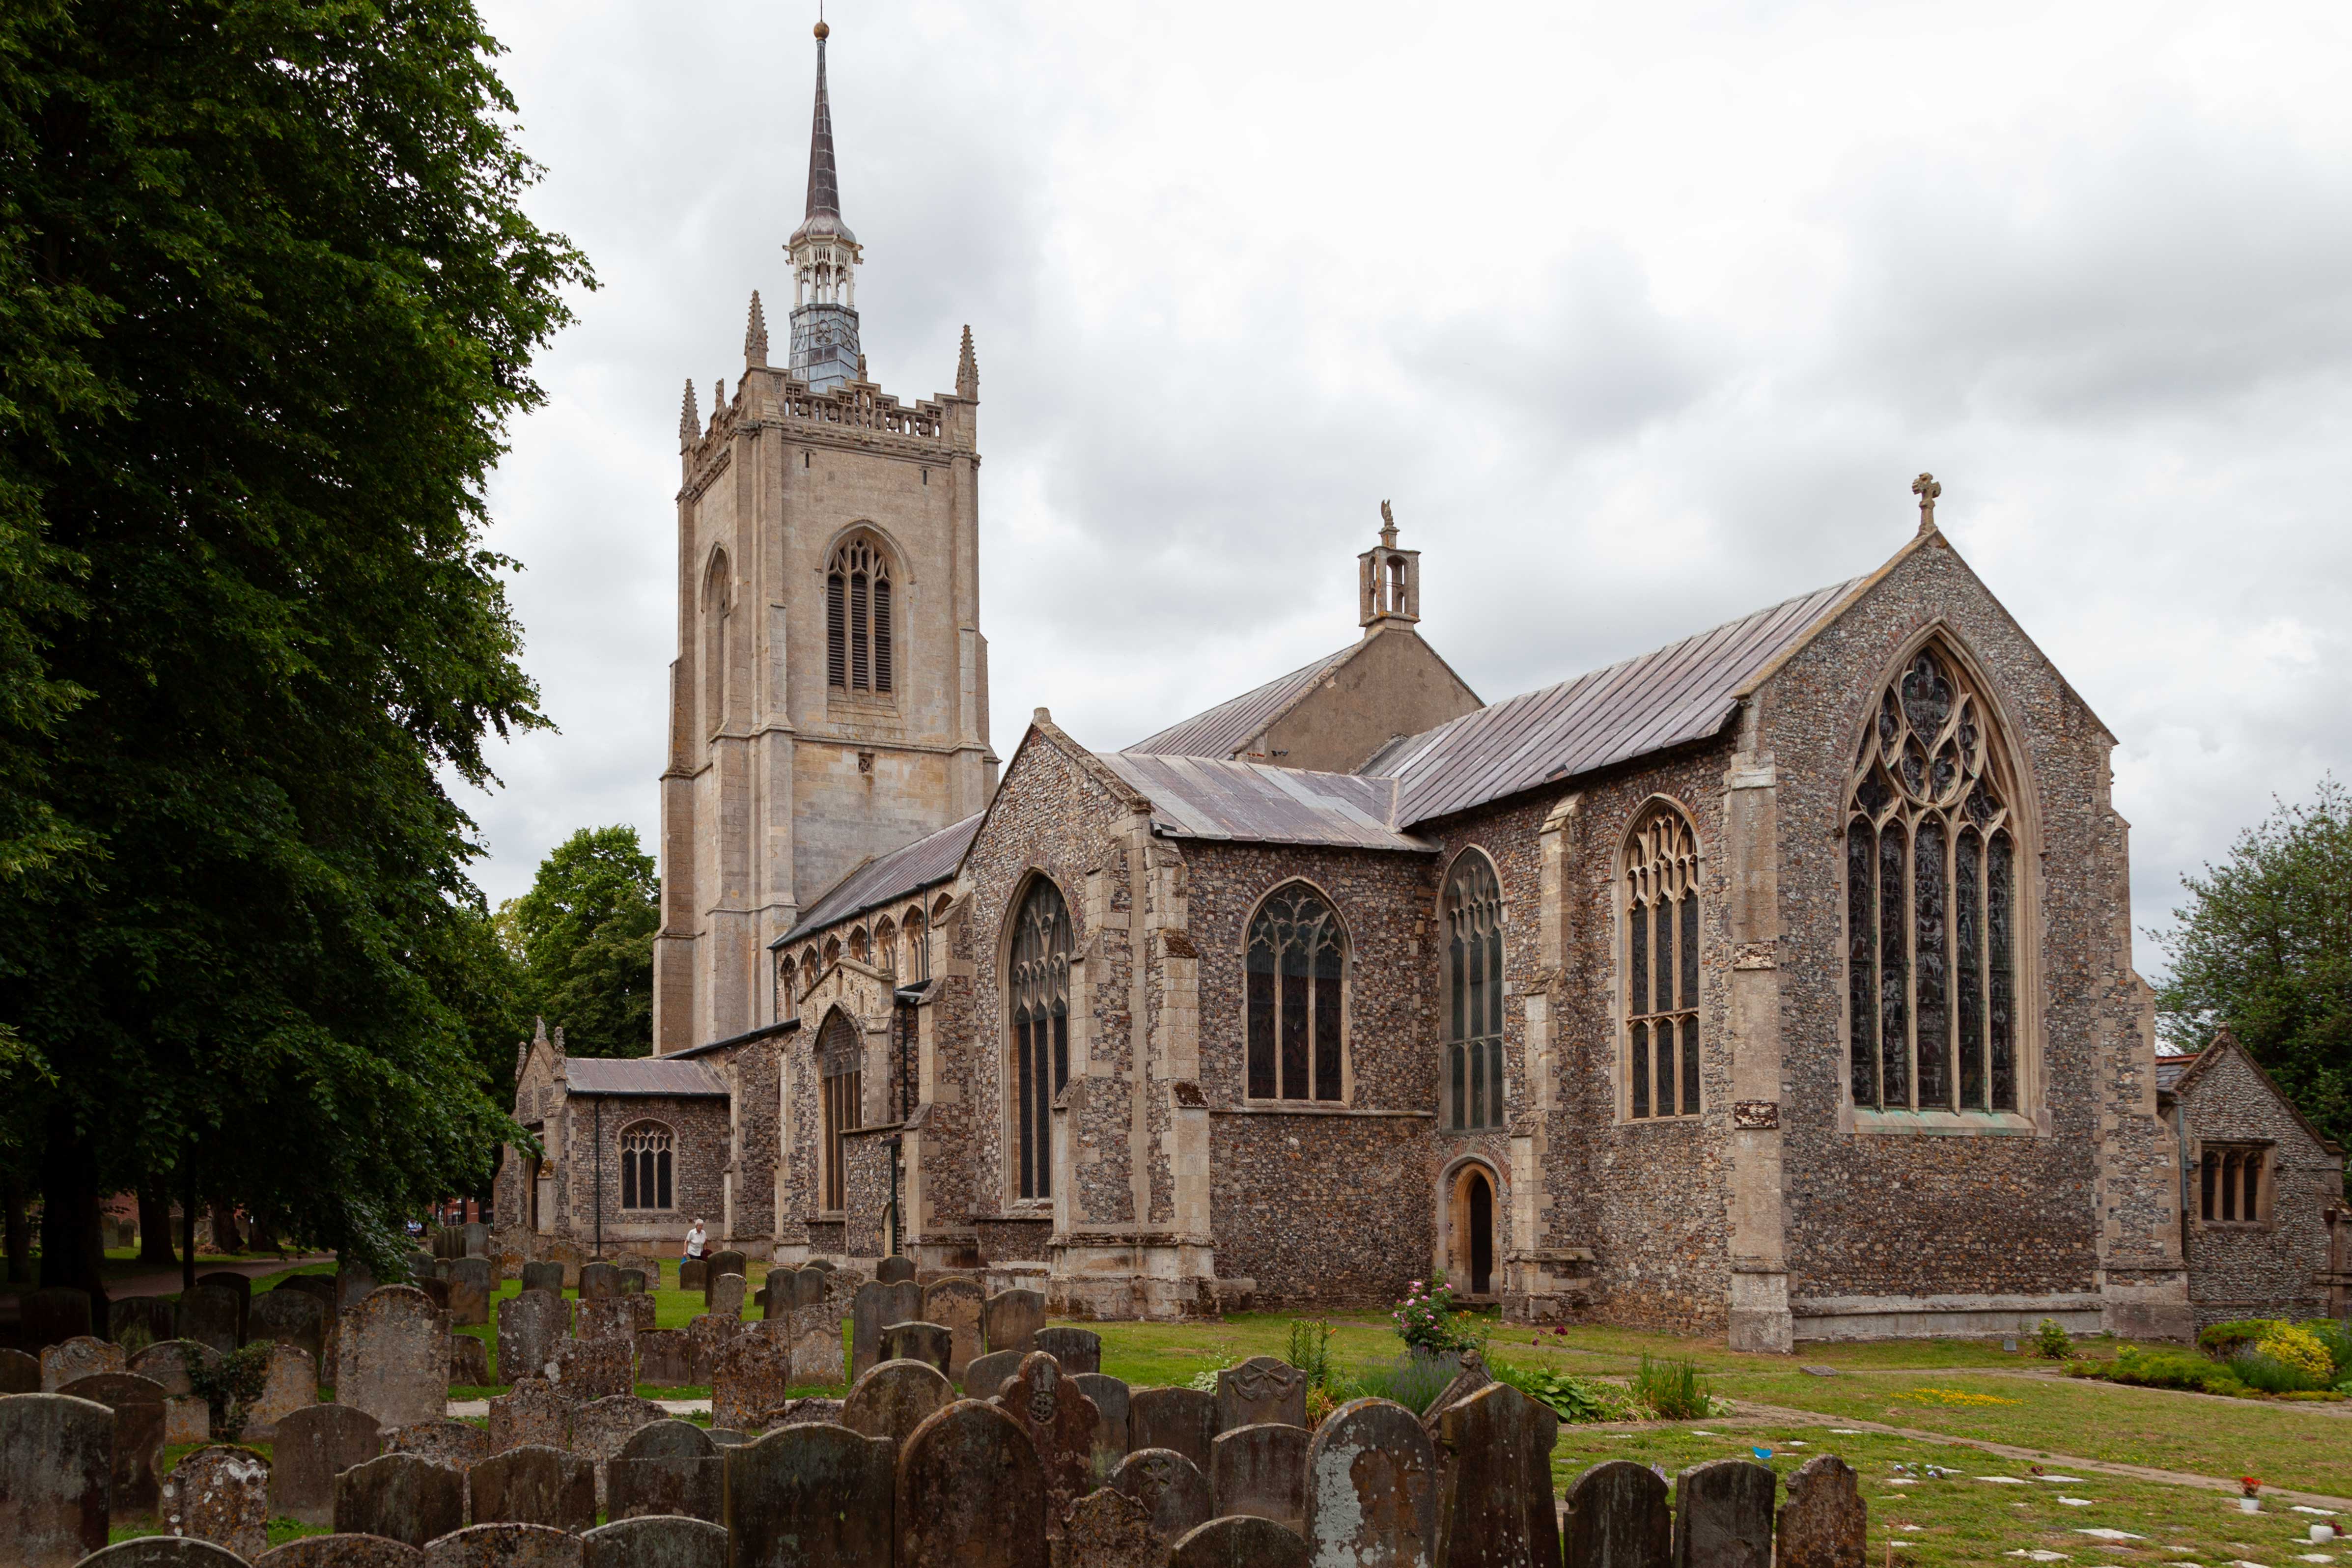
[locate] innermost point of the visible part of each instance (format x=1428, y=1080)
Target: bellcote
x=1388, y=581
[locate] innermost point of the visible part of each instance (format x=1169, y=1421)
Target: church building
x=1775, y=983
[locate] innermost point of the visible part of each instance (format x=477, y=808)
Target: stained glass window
x=1039, y=986
x=1297, y=964
x=646, y=1166
x=1662, y=1068
x=1474, y=970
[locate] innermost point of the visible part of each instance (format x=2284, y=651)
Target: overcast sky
x=1644, y=316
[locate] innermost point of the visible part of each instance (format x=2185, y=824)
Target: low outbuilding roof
x=648, y=1076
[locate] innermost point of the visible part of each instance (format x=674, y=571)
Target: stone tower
x=829, y=701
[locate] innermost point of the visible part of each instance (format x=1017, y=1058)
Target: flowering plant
x=2251, y=1484
x=1427, y=1319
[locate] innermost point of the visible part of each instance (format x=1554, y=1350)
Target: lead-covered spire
x=825, y=178
x=824, y=255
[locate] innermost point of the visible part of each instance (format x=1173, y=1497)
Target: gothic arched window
x=886, y=947
x=919, y=946
x=644, y=1166
x=718, y=612
x=839, y=1058
x=1662, y=966
x=1297, y=962
x=1931, y=860
x=857, y=651
x=1474, y=993
x=1038, y=987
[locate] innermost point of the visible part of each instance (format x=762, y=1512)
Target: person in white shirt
x=694, y=1245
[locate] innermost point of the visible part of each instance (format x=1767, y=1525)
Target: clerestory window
x=1297, y=965
x=857, y=647
x=1472, y=919
x=1662, y=945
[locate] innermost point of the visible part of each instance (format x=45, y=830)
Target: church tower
x=829, y=701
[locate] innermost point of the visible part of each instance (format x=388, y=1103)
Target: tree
x=584, y=934
x=268, y=301
x=2264, y=946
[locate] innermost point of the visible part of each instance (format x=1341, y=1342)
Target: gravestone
x=531, y=1413
x=313, y=1448
x=1617, y=1518
x=341, y=1552
x=1723, y=1515
x=21, y=1373
x=564, y=1255
x=727, y=1262
x=533, y=1485
x=469, y=1362
x=478, y=1239
x=666, y=1468
x=1260, y=1389
x=608, y=1318
x=814, y=1333
x=505, y=1546
x=1261, y=1470
x=732, y=1437
x=1372, y=1487
x=133, y=1315
x=237, y=1285
x=221, y=1495
x=872, y=1309
x=1467, y=1380
x=633, y=1280
x=321, y=1286
x=1110, y=1396
x=603, y=1428
x=460, y=1445
x=592, y=1369
x=394, y=1359
x=288, y=1318
x=548, y=1277
x=810, y=1287
x=56, y=1458
x=529, y=1327
x=166, y=1364
x=664, y=1358
x=809, y=1408
x=436, y=1289
x=956, y=1303
x=1060, y=1421
x=471, y=1283
x=54, y=1315
x=1240, y=1543
x=1824, y=1523
x=984, y=1375
x=599, y=1281
x=726, y=1295
x=1494, y=1486
x=812, y=1495
x=645, y=1313
x=694, y=1274
x=1184, y=1419
x=1009, y=1320
x=707, y=1335
x=163, y=1552
x=917, y=1342
x=970, y=1491
x=894, y=1270
x=186, y=1419
x=1170, y=1488
x=1110, y=1530
x=749, y=1379
x=894, y=1398
x=291, y=1385
x=138, y=1406
x=1078, y=1350
x=674, y=1542
x=401, y=1497
x=82, y=1356
x=355, y=1283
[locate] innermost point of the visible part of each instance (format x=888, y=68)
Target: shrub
x=1672, y=1390
x=1427, y=1319
x=2268, y=1374
x=230, y=1386
x=2223, y=1340
x=2333, y=1339
x=2301, y=1349
x=2049, y=1341
x=1570, y=1398
x=2161, y=1369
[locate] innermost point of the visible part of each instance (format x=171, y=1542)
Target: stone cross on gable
x=1925, y=487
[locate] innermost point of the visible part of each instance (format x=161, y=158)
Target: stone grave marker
x=726, y=1262
x=133, y=1315
x=731, y=1436
x=436, y=1289
x=603, y=1428
x=599, y=1281
x=802, y=1412
x=460, y=1445
x=1723, y=1515
x=401, y=1497
x=84, y=1356
x=1372, y=1487
x=1110, y=1396
x=707, y=1335
x=1060, y=1421
x=872, y=1309
x=478, y=1238
x=56, y=1458
x=186, y=1419
x=814, y=1334
x=749, y=1379
x=1078, y=1350
x=583, y=1370
x=393, y=1360
x=237, y=1285
x=472, y=1281
x=726, y=1295
x=1260, y=1389
x=1240, y=1543
x=1617, y=1518
x=138, y=1406
x=533, y=1485
x=321, y=1286
x=166, y=1362
x=827, y=1490
x=565, y=1255
x=19, y=1373
x=917, y=1342
x=633, y=1280
x=1184, y=1419
x=220, y=1494
x=354, y=1282
x=1110, y=1530
x=666, y=1468
x=664, y=1358
x=674, y=1542
x=288, y=1318
x=956, y=1303
x=341, y=1552
x=1824, y=1523
x=694, y=1274
x=645, y=1312
x=546, y=1277
x=165, y=1551
x=1261, y=1470
x=53, y=1315
x=1009, y=1320
x=469, y=1362
x=313, y=1445
x=894, y=1270
x=608, y=1318
x=531, y=1413
x=505, y=1546
x=984, y=1375
x=1170, y=1488
x=529, y=1327
x=1494, y=1482
x=970, y=1491
x=894, y=1398
x=1472, y=1376
x=291, y=1385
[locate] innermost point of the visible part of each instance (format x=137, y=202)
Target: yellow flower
x=2297, y=1348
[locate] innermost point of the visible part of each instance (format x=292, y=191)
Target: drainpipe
x=596, y=1158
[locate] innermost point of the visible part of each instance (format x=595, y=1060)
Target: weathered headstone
x=187, y=1418
x=694, y=1274
x=1260, y=1389
x=633, y=1280
x=1170, y=1488
x=917, y=1342
x=1184, y=1419
x=1110, y=1530
x=813, y=1286
x=394, y=1357
x=984, y=1375
x=127, y=1317
x=533, y=1485
x=811, y=1495
x=1261, y=1470
x=529, y=1327
x=565, y=1255
x=592, y=1369
x=469, y=1362
x=956, y=1301
x=478, y=1238
x=1824, y=1523
x=894, y=1270
x=810, y=1408
x=546, y=1277
x=603, y=1428
x=708, y=1335
x=726, y=1262
x=222, y=1495
x=599, y=1281
x=19, y=1373
x=237, y=1285
x=1009, y=1320
x=401, y=1497
x=1372, y=1487
x=1078, y=1350
x=54, y=1314
x=505, y=1546
x=750, y=1378
x=82, y=1356
x=288, y=1318
x=656, y=1543
x=664, y=1358
x=471, y=1287
x=646, y=1313
x=665, y=1467
x=1493, y=1492
x=57, y=1456
x=1240, y=1543
x=894, y=1398
x=608, y=1318
x=460, y=1445
x=1723, y=1515
x=1617, y=1518
x=354, y=1282
x=872, y=1309
x=970, y=1491
x=1468, y=1379
x=1110, y=1397
x=313, y=1448
x=732, y=1437
x=1060, y=1421
x=341, y=1552
x=436, y=1289
x=291, y=1385
x=167, y=1362
x=321, y=1286
x=814, y=1334
x=726, y=1295
x=532, y=1412
x=138, y=1406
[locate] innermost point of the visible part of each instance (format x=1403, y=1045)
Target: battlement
x=858, y=414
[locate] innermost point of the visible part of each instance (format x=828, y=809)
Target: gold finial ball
x=822, y=31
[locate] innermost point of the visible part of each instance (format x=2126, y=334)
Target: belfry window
x=840, y=1058
x=1474, y=995
x=1931, y=862
x=1661, y=946
x=1296, y=966
x=644, y=1166
x=1039, y=987
x=857, y=647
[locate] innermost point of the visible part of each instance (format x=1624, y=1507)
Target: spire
x=966, y=369
x=824, y=180
x=755, y=336
x=824, y=349
x=689, y=419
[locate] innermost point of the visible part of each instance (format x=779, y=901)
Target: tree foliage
x=584, y=936
x=2264, y=946
x=268, y=301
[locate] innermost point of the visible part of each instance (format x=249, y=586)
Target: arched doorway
x=1471, y=1256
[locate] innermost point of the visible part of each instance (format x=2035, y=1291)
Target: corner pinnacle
x=966, y=369
x=755, y=336
x=689, y=419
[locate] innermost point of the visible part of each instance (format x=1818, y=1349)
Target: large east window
x=1473, y=921
x=1297, y=965
x=1038, y=984
x=1661, y=911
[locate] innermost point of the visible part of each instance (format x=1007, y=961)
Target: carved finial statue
x=1925, y=487
x=967, y=368
x=755, y=336
x=689, y=419
x=718, y=397
x=1388, y=526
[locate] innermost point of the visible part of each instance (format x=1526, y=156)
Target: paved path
x=161, y=1283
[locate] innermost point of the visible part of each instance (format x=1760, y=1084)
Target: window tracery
x=1662, y=948
x=1038, y=985
x=840, y=1063
x=1473, y=916
x=646, y=1166
x=857, y=595
x=1295, y=965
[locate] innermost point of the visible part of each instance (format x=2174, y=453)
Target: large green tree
x=584, y=936
x=2264, y=946
x=268, y=298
